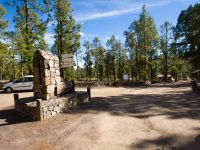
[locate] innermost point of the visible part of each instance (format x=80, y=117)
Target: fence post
x=39, y=110
x=89, y=92
x=73, y=87
x=16, y=98
x=194, y=85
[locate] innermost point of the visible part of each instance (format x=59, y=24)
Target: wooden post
x=16, y=98
x=194, y=85
x=73, y=88
x=39, y=110
x=89, y=92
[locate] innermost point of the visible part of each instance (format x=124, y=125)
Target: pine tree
x=189, y=37
x=166, y=30
x=142, y=41
x=67, y=32
x=88, y=59
x=98, y=53
x=30, y=29
x=3, y=24
x=132, y=47
x=121, y=60
x=112, y=48
x=148, y=40
x=108, y=66
x=4, y=53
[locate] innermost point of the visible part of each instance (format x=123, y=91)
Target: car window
x=29, y=79
x=20, y=80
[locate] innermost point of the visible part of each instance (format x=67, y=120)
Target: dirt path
x=7, y=99
x=163, y=117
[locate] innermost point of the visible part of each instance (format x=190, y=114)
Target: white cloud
x=82, y=34
x=122, y=8
x=49, y=38
x=86, y=36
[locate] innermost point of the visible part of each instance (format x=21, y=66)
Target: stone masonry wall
x=51, y=95
x=47, y=80
x=63, y=104
x=30, y=107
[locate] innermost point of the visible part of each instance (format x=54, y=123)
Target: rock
x=50, y=88
x=53, y=81
x=44, y=109
x=47, y=73
x=48, y=115
x=50, y=107
x=58, y=111
x=53, y=70
x=53, y=74
x=55, y=108
x=53, y=113
x=47, y=81
x=57, y=79
x=51, y=64
x=57, y=73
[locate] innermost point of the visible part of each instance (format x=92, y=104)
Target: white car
x=23, y=83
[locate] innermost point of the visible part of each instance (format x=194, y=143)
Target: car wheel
x=8, y=90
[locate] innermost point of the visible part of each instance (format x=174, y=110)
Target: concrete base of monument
x=36, y=109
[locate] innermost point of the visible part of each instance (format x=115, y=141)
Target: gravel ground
x=160, y=117
x=7, y=99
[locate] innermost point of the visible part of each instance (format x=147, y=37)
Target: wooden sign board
x=67, y=56
x=68, y=65
x=67, y=60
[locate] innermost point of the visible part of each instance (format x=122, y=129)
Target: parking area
x=164, y=117
x=7, y=99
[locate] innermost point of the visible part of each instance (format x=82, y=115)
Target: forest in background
x=173, y=50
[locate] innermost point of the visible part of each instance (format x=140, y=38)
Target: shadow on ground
x=170, y=143
x=10, y=116
x=174, y=105
x=14, y=92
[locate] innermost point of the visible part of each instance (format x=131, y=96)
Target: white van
x=23, y=83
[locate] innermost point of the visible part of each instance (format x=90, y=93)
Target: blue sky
x=104, y=18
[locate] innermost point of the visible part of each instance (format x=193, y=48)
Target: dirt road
x=165, y=117
x=7, y=99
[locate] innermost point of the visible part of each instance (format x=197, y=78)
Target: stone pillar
x=47, y=80
x=46, y=75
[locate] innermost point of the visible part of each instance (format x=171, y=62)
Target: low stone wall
x=63, y=104
x=36, y=109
